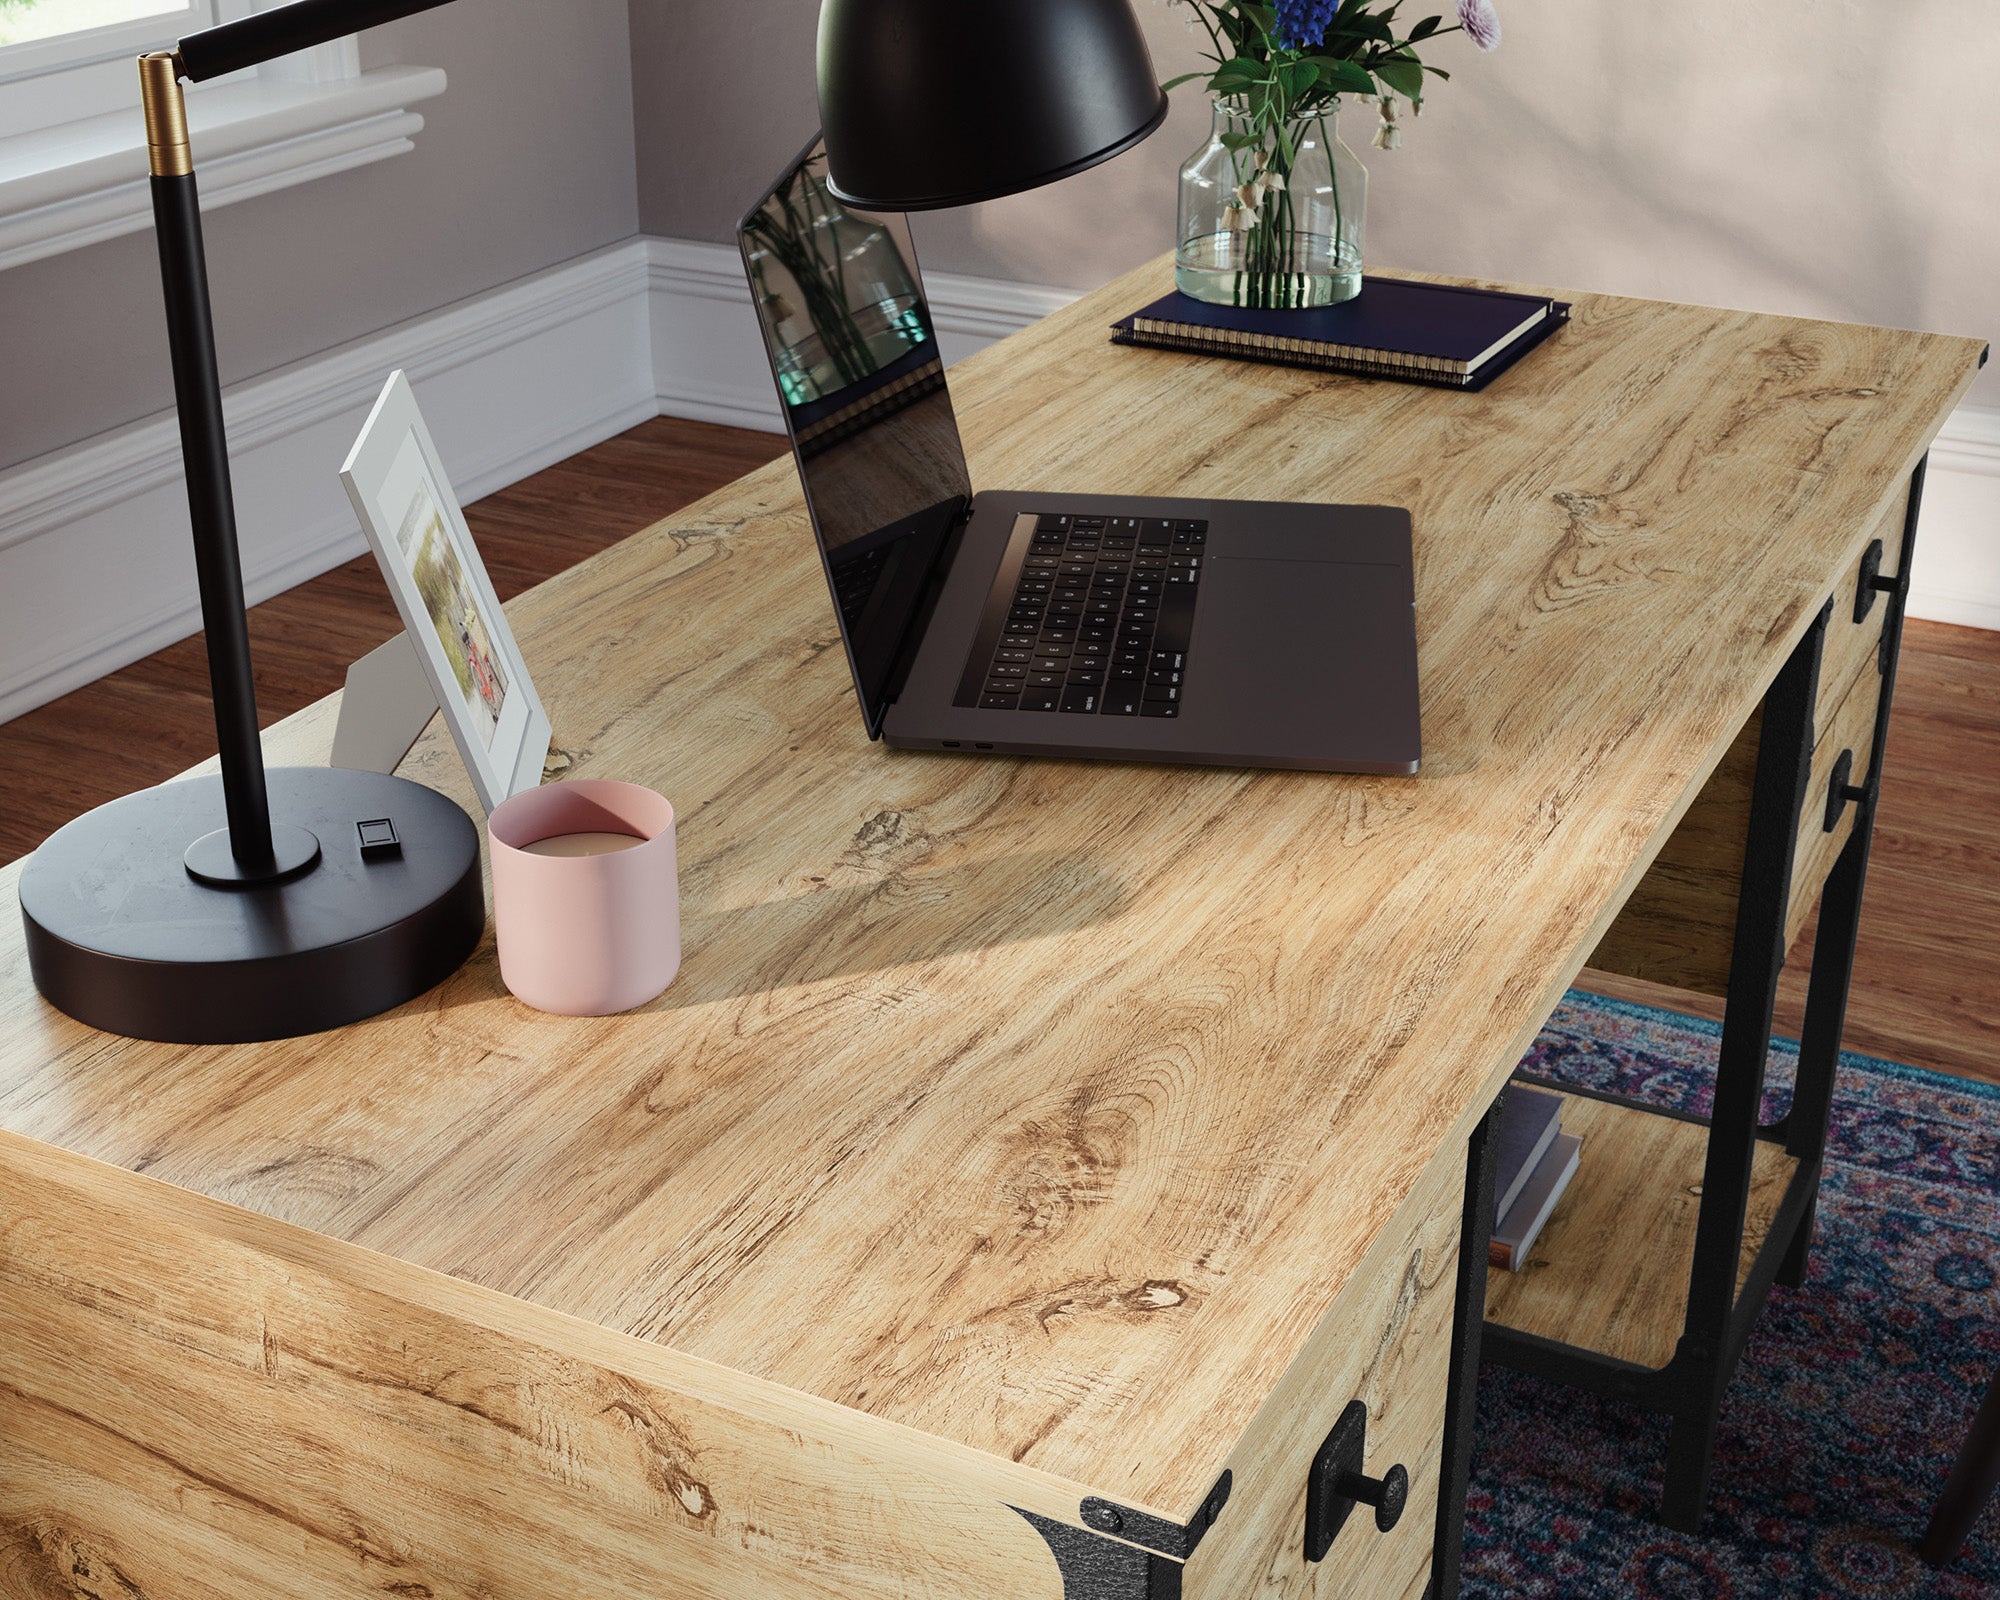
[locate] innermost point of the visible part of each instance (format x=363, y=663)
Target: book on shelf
x=1515, y=1233
x=1530, y=1119
x=1433, y=333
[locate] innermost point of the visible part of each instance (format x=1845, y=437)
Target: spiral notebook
x=1431, y=333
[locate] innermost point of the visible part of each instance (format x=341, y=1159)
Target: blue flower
x=1302, y=23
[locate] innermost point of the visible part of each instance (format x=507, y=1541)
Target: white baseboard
x=95, y=566
x=94, y=559
x=1956, y=576
x=708, y=355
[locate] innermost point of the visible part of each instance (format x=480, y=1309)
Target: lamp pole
x=204, y=449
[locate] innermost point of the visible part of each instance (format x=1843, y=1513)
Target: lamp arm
x=283, y=29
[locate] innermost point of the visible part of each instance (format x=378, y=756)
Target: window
x=72, y=148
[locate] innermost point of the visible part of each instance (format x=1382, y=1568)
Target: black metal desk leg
x=1468, y=1318
x=1840, y=923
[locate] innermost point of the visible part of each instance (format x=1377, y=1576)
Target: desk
x=1032, y=1159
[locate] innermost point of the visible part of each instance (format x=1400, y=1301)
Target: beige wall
x=526, y=160
x=1836, y=158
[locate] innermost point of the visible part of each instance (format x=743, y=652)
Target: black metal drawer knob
x=1337, y=1484
x=1839, y=791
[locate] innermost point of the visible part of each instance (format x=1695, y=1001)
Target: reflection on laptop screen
x=855, y=357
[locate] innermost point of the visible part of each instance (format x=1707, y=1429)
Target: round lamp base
x=123, y=936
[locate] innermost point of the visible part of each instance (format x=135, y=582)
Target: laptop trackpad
x=1302, y=641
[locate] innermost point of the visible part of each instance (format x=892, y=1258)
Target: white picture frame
x=450, y=613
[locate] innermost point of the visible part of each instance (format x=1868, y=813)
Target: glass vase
x=1266, y=227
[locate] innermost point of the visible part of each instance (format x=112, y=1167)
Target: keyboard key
x=1080, y=675
x=1166, y=675
x=1005, y=669
x=1018, y=657
x=1034, y=699
x=1052, y=522
x=1186, y=579
x=1081, y=698
x=1130, y=675
x=1158, y=692
x=1155, y=530
x=1190, y=525
x=1089, y=522
x=1051, y=660
x=1046, y=677
x=1176, y=618
x=1096, y=649
x=1159, y=708
x=1117, y=703
x=998, y=702
x=1124, y=657
x=1169, y=658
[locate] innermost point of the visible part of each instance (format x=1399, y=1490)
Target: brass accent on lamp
x=167, y=152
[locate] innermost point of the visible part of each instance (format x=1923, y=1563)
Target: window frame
x=95, y=77
x=87, y=47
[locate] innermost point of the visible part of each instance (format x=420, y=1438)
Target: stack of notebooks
x=1434, y=333
x=1533, y=1161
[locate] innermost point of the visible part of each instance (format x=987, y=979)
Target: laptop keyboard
x=1100, y=618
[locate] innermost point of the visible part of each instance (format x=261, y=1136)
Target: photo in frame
x=450, y=613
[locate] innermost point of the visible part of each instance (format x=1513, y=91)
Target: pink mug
x=586, y=925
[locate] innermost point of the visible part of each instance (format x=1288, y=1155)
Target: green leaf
x=1185, y=77
x=1297, y=77
x=1424, y=29
x=1345, y=77
x=1404, y=74
x=1240, y=71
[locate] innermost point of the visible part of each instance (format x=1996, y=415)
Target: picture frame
x=418, y=532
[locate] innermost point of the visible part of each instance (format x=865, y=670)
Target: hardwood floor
x=152, y=719
x=1927, y=973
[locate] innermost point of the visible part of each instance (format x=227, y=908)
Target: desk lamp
x=325, y=895
x=925, y=105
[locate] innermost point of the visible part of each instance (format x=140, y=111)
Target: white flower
x=1247, y=194
x=1480, y=22
x=1240, y=220
x=1387, y=135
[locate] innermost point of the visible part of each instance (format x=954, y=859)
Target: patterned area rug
x=1850, y=1400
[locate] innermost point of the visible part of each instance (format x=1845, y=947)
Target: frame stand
x=387, y=704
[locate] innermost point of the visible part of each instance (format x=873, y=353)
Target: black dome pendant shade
x=929, y=103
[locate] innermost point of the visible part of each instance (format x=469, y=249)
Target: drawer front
x=1846, y=728
x=1853, y=648
x=1387, y=1343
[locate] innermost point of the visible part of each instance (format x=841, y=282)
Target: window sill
x=74, y=184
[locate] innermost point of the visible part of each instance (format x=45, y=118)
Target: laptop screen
x=855, y=356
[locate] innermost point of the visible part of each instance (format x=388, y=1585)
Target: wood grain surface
x=387, y=1431
x=1049, y=1109
x=1610, y=1271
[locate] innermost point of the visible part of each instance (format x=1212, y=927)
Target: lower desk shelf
x=1610, y=1270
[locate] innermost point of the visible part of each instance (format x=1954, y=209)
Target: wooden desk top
x=1046, y=1107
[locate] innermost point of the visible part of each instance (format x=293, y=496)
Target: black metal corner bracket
x=1097, y=1567
x=1157, y=1533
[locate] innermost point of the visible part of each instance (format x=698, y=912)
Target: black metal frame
x=1719, y=1318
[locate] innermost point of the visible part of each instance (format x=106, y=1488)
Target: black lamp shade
x=928, y=103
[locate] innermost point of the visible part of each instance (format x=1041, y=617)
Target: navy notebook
x=1432, y=333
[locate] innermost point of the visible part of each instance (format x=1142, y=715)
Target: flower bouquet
x=1271, y=207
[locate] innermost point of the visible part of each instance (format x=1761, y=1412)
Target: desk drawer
x=1843, y=730
x=1386, y=1343
x=1679, y=927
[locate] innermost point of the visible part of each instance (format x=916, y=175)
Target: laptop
x=1115, y=627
